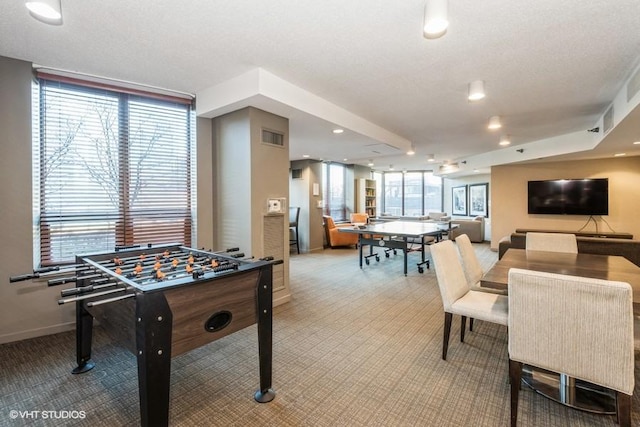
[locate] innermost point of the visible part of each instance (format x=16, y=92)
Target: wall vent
x=607, y=121
x=272, y=138
x=296, y=173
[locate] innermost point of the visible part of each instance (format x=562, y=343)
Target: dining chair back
x=458, y=298
x=578, y=326
x=472, y=268
x=552, y=242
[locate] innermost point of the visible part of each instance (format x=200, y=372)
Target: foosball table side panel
x=232, y=299
x=118, y=319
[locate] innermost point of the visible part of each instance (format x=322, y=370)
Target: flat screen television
x=569, y=197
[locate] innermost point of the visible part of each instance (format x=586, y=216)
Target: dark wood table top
x=607, y=267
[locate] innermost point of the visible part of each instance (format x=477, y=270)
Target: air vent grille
x=272, y=138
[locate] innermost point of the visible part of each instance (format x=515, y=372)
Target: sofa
x=472, y=227
x=334, y=237
x=622, y=244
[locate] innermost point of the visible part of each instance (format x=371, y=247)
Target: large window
x=411, y=193
x=333, y=188
x=113, y=169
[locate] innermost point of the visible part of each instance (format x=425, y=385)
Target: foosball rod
x=84, y=289
x=108, y=300
x=90, y=295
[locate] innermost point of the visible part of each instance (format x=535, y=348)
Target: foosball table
x=163, y=301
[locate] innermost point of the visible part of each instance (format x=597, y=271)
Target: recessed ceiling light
x=476, y=90
x=436, y=20
x=620, y=154
x=47, y=11
x=345, y=159
x=338, y=130
x=636, y=143
x=505, y=140
x=494, y=123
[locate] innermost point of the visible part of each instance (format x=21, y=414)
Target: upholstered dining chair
x=472, y=269
x=577, y=326
x=458, y=299
x=294, y=216
x=552, y=242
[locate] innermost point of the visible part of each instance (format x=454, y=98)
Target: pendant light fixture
x=436, y=20
x=476, y=90
x=47, y=11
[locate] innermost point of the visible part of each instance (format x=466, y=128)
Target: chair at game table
x=294, y=215
x=578, y=326
x=472, y=268
x=334, y=237
x=457, y=298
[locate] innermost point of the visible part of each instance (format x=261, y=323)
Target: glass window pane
x=393, y=193
x=432, y=193
x=413, y=193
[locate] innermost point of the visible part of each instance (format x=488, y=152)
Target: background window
x=114, y=169
x=333, y=185
x=411, y=193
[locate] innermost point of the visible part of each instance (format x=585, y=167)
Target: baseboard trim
x=38, y=332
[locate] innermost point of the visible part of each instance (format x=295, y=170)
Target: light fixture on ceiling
x=494, y=123
x=370, y=164
x=436, y=20
x=449, y=168
x=390, y=167
x=338, y=130
x=505, y=140
x=47, y=11
x=476, y=90
x=431, y=158
x=636, y=143
x=306, y=156
x=411, y=151
x=619, y=154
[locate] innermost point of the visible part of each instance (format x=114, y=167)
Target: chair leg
x=515, y=376
x=297, y=241
x=623, y=409
x=471, y=324
x=463, y=326
x=448, y=317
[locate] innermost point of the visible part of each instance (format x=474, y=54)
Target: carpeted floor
x=353, y=348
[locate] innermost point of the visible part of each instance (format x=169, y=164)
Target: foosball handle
x=23, y=277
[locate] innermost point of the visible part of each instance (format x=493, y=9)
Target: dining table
x=557, y=386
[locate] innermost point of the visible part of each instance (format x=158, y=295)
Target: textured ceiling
x=550, y=67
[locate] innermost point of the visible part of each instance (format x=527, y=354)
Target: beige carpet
x=353, y=348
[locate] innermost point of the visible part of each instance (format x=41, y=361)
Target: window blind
x=115, y=169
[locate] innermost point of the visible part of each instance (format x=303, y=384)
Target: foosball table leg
x=84, y=335
x=153, y=346
x=265, y=334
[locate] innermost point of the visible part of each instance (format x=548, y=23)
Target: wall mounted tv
x=569, y=197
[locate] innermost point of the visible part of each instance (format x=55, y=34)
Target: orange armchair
x=336, y=238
